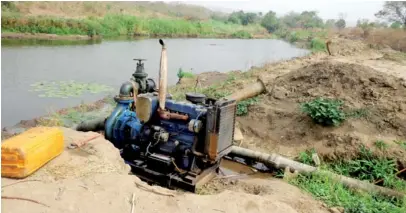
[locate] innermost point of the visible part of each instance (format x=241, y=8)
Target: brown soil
x=277, y=125
x=95, y=179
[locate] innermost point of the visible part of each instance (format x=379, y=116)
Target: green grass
x=402, y=144
x=380, y=144
x=241, y=34
x=335, y=194
x=367, y=167
x=317, y=45
x=113, y=25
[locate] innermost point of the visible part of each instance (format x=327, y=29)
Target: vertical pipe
x=162, y=77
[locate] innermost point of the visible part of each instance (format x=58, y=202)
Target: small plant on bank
x=401, y=143
x=380, y=144
x=317, y=44
x=182, y=74
x=242, y=106
x=323, y=111
x=306, y=157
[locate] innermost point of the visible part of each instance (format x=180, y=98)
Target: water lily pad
x=65, y=89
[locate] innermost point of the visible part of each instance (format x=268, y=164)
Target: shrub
x=326, y=112
x=183, y=74
x=242, y=106
x=317, y=44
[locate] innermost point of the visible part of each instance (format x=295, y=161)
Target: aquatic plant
x=65, y=89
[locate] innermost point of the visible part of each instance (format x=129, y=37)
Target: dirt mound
x=346, y=47
x=280, y=126
x=95, y=179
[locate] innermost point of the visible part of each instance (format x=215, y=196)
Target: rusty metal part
x=163, y=72
x=166, y=115
x=194, y=151
x=135, y=92
x=248, y=92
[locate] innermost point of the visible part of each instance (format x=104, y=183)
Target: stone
x=238, y=135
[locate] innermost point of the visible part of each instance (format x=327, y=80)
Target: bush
x=182, y=74
x=317, y=45
x=242, y=106
x=326, y=112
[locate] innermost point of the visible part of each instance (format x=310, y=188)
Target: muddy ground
x=369, y=81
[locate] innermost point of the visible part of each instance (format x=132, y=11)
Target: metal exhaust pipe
x=163, y=75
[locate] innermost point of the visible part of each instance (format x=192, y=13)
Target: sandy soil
x=95, y=179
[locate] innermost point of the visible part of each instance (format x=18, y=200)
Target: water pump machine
x=168, y=142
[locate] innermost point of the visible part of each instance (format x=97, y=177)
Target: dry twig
x=133, y=203
x=153, y=190
x=26, y=199
x=17, y=183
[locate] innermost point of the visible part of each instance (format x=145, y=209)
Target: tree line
x=393, y=13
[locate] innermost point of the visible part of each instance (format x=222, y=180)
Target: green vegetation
x=366, y=167
x=402, y=144
x=65, y=89
x=380, y=144
x=182, y=74
x=117, y=25
x=242, y=106
x=242, y=34
x=317, y=45
x=323, y=111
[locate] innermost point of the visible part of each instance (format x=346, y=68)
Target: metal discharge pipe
x=163, y=72
x=248, y=91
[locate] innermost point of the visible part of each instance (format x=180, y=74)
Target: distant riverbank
x=114, y=25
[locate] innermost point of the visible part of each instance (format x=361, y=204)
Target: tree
x=330, y=23
x=394, y=11
x=242, y=18
x=396, y=25
x=270, y=22
x=291, y=19
x=340, y=24
x=248, y=18
x=310, y=19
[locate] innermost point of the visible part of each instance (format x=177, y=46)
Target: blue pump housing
x=124, y=129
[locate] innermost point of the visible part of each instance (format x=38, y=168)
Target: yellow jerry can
x=23, y=154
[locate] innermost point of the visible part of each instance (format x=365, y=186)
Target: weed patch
x=366, y=167
x=317, y=45
x=182, y=74
x=242, y=106
x=380, y=144
x=323, y=111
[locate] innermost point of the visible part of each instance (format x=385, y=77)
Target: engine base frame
x=190, y=181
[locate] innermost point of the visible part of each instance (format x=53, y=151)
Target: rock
x=316, y=159
x=238, y=135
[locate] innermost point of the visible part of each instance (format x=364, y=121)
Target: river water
x=111, y=63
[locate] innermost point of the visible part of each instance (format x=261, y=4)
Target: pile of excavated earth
x=93, y=178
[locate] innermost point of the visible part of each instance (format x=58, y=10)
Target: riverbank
x=114, y=25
